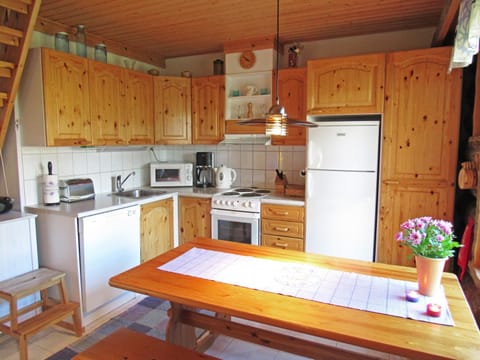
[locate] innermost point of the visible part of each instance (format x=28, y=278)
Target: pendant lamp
x=276, y=120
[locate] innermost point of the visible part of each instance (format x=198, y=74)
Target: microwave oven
x=171, y=174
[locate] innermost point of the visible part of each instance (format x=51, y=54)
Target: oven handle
x=238, y=214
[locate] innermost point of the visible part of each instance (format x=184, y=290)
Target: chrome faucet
x=120, y=182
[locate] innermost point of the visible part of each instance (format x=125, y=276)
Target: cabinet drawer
x=282, y=242
x=282, y=228
x=285, y=212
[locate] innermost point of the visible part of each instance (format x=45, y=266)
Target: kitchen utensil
x=467, y=177
x=154, y=72
x=251, y=90
x=218, y=67
x=225, y=177
x=6, y=203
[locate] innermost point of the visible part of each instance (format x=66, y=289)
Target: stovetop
x=245, y=192
x=240, y=199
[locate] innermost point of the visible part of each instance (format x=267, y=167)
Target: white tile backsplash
x=255, y=164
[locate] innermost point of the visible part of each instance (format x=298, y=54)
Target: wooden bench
x=46, y=312
x=128, y=344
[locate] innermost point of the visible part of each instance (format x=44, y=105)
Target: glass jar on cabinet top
x=81, y=41
x=101, y=53
x=62, y=42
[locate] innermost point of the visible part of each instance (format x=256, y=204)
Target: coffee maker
x=204, y=170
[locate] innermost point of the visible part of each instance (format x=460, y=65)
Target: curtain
x=467, y=34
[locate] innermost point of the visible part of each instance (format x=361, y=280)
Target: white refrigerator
x=341, y=188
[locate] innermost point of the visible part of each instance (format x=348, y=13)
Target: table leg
x=177, y=332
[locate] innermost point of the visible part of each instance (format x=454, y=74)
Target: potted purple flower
x=432, y=242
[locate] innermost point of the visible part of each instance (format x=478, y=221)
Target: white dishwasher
x=109, y=243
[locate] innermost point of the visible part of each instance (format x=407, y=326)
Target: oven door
x=237, y=226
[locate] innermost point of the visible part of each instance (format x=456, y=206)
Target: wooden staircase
x=17, y=20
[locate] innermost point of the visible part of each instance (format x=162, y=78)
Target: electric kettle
x=225, y=177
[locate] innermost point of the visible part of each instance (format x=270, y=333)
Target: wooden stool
x=128, y=344
x=52, y=312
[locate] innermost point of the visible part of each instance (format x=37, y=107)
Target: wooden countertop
x=405, y=337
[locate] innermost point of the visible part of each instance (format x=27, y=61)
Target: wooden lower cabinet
x=156, y=228
x=194, y=218
x=283, y=226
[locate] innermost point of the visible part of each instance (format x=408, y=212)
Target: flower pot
x=429, y=274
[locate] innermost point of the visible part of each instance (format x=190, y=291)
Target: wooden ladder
x=17, y=20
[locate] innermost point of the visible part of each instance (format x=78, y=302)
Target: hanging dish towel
x=467, y=34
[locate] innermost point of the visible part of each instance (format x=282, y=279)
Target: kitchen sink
x=139, y=193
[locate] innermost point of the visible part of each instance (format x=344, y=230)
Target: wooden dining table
x=308, y=328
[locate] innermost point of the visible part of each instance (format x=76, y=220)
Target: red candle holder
x=434, y=310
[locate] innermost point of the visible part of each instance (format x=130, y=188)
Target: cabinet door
x=194, y=218
x=420, y=139
x=156, y=228
x=139, y=104
x=292, y=92
x=172, y=110
x=66, y=96
x=208, y=104
x=346, y=85
x=107, y=103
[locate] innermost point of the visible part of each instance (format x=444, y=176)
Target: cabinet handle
x=281, y=213
x=284, y=229
x=391, y=182
x=281, y=245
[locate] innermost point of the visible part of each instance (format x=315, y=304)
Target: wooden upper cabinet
x=140, y=108
x=172, y=110
x=292, y=90
x=421, y=116
x=346, y=85
x=107, y=103
x=66, y=99
x=208, y=109
x=420, y=139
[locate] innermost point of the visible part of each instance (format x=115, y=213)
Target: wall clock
x=247, y=59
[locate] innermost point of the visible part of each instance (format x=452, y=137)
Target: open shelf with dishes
x=248, y=95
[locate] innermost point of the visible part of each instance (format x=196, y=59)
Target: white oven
x=236, y=215
x=237, y=226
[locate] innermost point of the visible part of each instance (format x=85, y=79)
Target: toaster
x=76, y=190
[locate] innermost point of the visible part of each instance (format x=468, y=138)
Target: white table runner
x=357, y=291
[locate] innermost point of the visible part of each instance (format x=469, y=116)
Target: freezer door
x=344, y=146
x=341, y=213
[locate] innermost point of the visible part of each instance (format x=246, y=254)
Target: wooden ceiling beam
x=447, y=21
x=51, y=27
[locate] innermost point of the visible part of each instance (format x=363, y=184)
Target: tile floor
x=49, y=342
